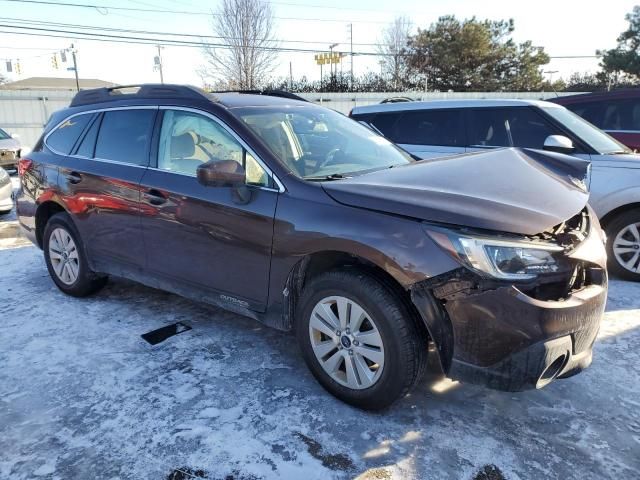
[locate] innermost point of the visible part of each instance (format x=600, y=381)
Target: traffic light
x=18, y=69
x=54, y=61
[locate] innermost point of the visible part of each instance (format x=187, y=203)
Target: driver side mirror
x=558, y=143
x=222, y=173
x=226, y=173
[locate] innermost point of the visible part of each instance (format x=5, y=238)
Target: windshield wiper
x=333, y=176
x=618, y=152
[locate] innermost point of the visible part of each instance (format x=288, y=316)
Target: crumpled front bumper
x=507, y=340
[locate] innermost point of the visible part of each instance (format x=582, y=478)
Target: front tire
x=623, y=245
x=359, y=339
x=66, y=259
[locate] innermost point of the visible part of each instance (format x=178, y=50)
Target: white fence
x=25, y=112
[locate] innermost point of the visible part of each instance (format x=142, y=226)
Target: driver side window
x=187, y=140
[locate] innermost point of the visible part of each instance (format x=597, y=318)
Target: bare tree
x=392, y=48
x=245, y=54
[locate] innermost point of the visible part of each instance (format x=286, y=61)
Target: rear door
x=204, y=238
x=425, y=133
x=99, y=181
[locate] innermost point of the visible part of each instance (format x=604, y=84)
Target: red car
x=617, y=113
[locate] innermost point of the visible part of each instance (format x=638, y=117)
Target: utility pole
x=75, y=66
x=290, y=76
x=158, y=64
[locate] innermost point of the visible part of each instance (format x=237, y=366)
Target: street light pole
x=331, y=47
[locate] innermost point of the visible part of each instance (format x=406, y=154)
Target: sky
x=562, y=27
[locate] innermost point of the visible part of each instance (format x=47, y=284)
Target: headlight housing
x=499, y=258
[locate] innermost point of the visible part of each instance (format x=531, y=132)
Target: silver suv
x=444, y=127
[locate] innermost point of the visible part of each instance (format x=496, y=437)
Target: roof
x=55, y=83
x=237, y=99
x=404, y=106
x=589, y=97
x=155, y=91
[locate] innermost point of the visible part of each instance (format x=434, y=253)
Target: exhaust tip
x=552, y=371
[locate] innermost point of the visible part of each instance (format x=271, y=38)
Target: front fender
x=612, y=188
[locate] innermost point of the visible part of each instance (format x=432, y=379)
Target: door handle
x=155, y=197
x=73, y=177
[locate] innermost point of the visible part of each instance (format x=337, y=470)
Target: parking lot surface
x=82, y=395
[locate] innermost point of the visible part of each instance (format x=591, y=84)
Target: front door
x=202, y=236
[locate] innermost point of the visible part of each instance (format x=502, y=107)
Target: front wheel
x=359, y=339
x=66, y=259
x=623, y=245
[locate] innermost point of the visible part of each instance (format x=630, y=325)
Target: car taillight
x=23, y=165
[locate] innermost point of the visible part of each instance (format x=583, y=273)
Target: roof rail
x=270, y=93
x=150, y=90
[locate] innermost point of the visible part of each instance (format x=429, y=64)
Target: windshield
x=4, y=135
x=600, y=141
x=316, y=143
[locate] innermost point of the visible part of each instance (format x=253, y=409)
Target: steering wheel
x=328, y=158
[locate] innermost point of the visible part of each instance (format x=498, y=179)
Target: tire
x=84, y=282
x=404, y=341
x=623, y=245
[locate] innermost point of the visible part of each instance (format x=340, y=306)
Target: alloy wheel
x=346, y=342
x=63, y=254
x=626, y=247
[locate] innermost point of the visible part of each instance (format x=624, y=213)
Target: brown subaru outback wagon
x=305, y=220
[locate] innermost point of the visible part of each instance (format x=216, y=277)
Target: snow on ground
x=83, y=396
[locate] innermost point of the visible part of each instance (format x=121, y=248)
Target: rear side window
x=423, y=127
x=88, y=142
x=385, y=123
x=621, y=115
x=592, y=112
x=125, y=135
x=63, y=138
x=430, y=127
x=509, y=127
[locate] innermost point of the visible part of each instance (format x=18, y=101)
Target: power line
x=34, y=24
x=177, y=12
x=144, y=40
x=147, y=32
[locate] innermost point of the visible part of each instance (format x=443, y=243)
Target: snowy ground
x=83, y=396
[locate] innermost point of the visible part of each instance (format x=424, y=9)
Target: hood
x=9, y=144
x=511, y=190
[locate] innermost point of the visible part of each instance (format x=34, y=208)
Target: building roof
x=55, y=83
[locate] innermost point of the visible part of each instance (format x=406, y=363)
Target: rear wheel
x=623, y=245
x=359, y=339
x=66, y=259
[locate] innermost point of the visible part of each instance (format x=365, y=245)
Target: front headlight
x=504, y=259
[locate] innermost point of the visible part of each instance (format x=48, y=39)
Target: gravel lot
x=83, y=396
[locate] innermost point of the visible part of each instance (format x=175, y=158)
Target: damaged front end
x=522, y=310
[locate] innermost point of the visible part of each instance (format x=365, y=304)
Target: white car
x=6, y=200
x=9, y=150
x=448, y=127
